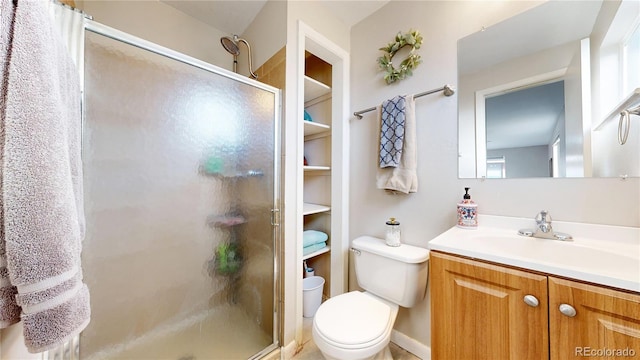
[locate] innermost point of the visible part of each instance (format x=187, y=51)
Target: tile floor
x=311, y=352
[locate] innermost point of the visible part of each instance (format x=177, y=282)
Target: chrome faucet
x=543, y=225
x=543, y=229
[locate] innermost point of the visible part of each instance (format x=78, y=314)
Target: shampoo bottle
x=467, y=212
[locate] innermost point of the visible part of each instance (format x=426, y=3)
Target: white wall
x=163, y=25
x=432, y=210
x=610, y=158
x=267, y=34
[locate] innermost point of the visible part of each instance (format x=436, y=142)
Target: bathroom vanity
x=500, y=296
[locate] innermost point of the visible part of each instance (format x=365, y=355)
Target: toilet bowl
x=357, y=325
x=354, y=326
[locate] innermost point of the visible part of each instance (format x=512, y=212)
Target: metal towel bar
x=447, y=89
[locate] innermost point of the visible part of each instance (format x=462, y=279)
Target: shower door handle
x=275, y=217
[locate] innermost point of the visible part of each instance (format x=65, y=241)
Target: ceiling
x=234, y=16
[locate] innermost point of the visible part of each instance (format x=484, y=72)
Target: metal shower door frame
x=109, y=32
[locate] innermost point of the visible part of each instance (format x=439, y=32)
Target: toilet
x=357, y=325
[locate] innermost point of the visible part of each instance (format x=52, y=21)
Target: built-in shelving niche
x=318, y=151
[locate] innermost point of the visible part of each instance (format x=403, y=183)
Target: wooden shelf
x=308, y=208
x=314, y=89
x=324, y=250
x=314, y=128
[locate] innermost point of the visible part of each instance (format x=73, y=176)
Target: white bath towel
x=403, y=178
x=9, y=309
x=43, y=214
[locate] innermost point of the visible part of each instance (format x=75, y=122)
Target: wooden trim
x=71, y=3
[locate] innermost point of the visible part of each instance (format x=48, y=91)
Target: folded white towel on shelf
x=43, y=217
x=402, y=178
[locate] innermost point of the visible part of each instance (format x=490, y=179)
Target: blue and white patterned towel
x=392, y=131
x=403, y=178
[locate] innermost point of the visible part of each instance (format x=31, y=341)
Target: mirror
x=533, y=92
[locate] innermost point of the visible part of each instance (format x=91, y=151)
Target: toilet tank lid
x=405, y=253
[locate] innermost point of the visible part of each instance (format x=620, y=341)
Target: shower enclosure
x=181, y=187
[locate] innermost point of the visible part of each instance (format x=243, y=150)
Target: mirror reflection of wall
x=540, y=110
x=566, y=48
x=496, y=167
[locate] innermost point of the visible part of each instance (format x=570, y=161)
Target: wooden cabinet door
x=606, y=324
x=478, y=312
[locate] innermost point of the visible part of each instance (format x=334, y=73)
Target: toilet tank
x=398, y=274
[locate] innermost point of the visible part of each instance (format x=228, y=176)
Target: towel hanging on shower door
x=42, y=205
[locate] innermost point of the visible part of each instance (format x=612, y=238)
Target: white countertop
x=600, y=254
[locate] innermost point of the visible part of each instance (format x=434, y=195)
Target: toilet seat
x=354, y=320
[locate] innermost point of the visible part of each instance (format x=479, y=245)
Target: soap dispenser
x=467, y=212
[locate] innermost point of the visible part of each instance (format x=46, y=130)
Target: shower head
x=232, y=47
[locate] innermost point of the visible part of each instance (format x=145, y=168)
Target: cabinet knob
x=531, y=300
x=567, y=310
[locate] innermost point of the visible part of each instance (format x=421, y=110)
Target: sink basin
x=601, y=254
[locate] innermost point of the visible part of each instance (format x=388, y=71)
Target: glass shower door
x=180, y=170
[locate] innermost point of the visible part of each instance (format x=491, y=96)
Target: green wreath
x=413, y=39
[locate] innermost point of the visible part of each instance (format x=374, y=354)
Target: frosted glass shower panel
x=179, y=186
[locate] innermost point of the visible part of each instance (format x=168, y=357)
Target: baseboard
x=288, y=351
x=411, y=345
